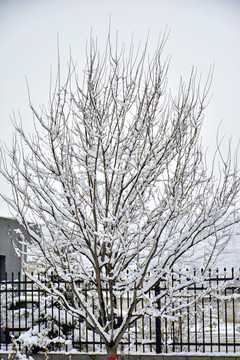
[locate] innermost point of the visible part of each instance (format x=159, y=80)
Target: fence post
x=158, y=323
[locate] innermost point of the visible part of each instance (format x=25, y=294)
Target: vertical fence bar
x=46, y=299
x=121, y=316
x=59, y=319
x=233, y=312
x=180, y=330
x=128, y=302
x=135, y=334
x=22, y=285
x=142, y=324
x=180, y=317
x=93, y=333
x=39, y=305
x=72, y=332
x=226, y=320
x=158, y=329
x=1, y=330
x=188, y=325
x=12, y=305
x=2, y=337
x=52, y=315
x=86, y=298
x=25, y=289
x=210, y=313
x=195, y=313
x=226, y=311
x=81, y=326
x=166, y=334
x=218, y=311
x=6, y=313
x=29, y=289
x=150, y=326
x=203, y=321
x=173, y=317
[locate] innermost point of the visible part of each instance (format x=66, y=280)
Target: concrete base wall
x=59, y=356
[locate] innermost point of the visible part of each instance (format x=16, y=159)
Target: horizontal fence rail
x=194, y=320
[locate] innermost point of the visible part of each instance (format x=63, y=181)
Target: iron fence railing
x=210, y=324
x=189, y=322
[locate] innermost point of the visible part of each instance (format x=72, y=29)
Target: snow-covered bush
x=53, y=328
x=35, y=340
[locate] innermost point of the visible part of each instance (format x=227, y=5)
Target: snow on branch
x=116, y=183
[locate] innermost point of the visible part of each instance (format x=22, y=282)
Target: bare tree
x=116, y=179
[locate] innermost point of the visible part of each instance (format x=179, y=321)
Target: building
x=9, y=261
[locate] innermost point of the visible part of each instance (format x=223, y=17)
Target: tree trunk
x=112, y=352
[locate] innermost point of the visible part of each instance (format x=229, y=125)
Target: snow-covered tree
x=115, y=177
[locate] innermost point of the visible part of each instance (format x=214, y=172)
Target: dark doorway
x=2, y=267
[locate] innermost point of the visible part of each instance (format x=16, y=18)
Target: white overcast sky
x=203, y=32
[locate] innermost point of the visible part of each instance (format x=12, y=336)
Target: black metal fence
x=207, y=324
x=189, y=321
